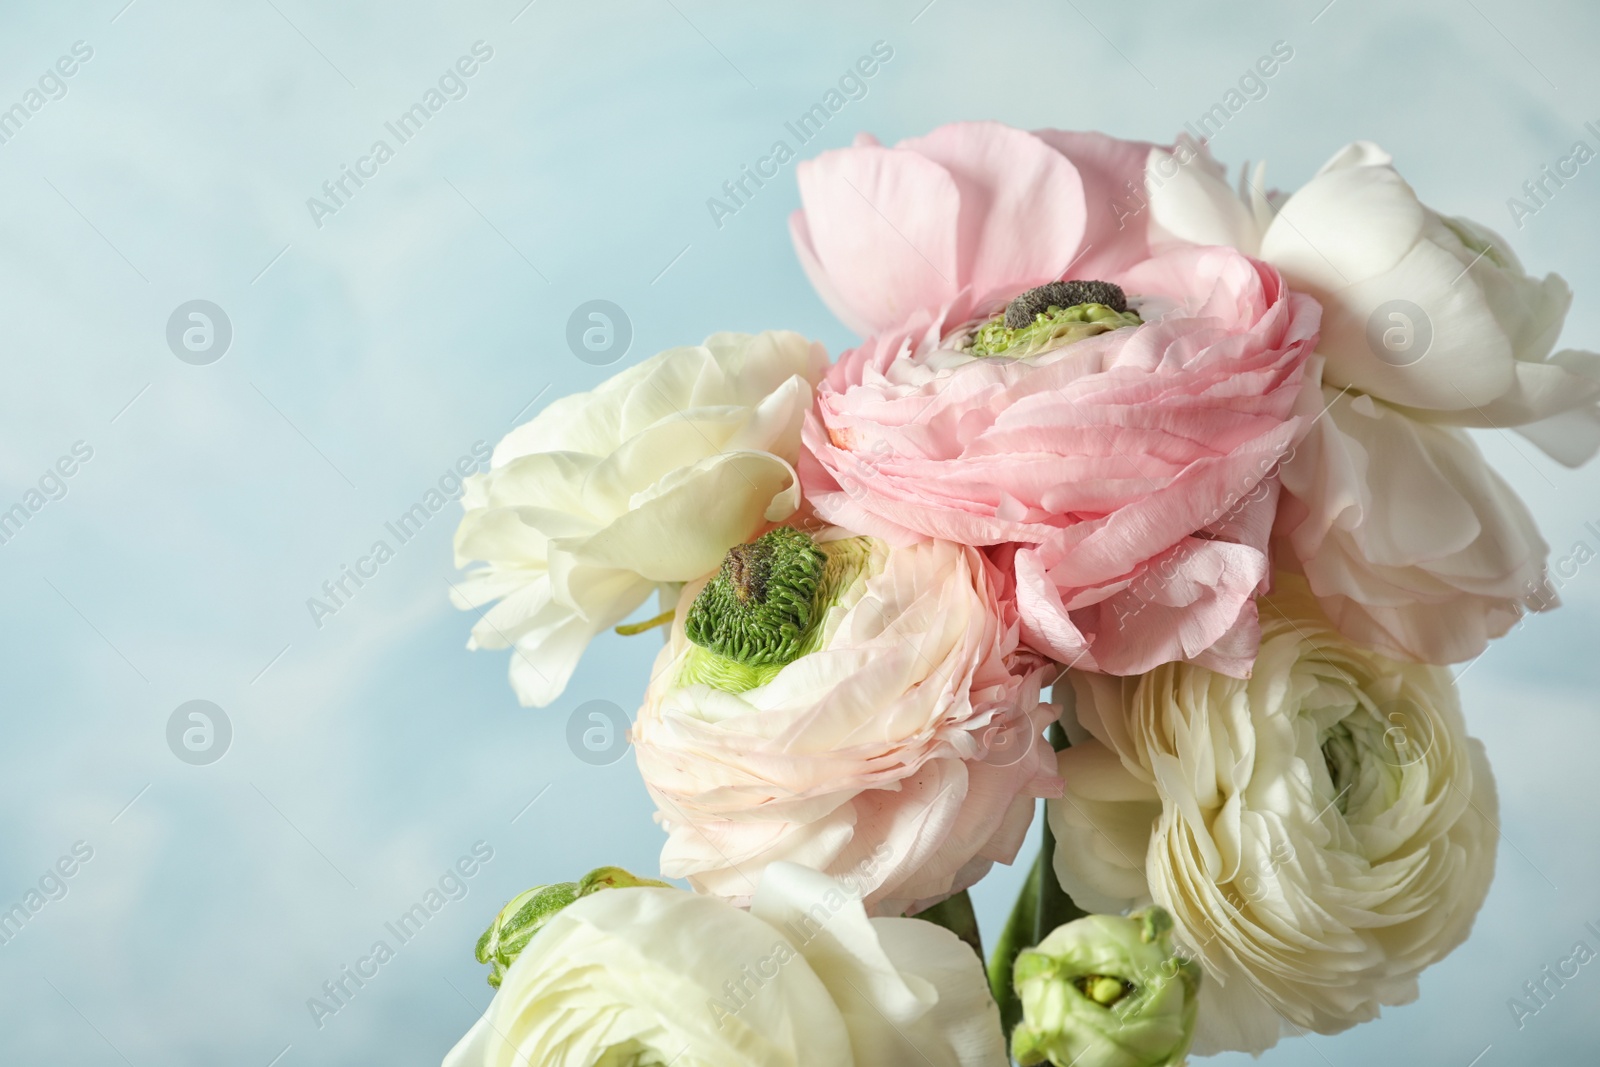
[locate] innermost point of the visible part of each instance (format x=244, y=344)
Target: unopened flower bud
x=528, y=911
x=1106, y=991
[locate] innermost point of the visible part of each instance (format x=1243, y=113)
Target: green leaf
x=957, y=916
x=1055, y=906
x=1041, y=907
x=1017, y=935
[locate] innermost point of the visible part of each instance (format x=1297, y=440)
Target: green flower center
x=1104, y=989
x=759, y=606
x=1342, y=757
x=764, y=608
x=1052, y=316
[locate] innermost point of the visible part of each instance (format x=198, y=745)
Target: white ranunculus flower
x=1320, y=832
x=857, y=708
x=1357, y=238
x=607, y=495
x=635, y=977
x=1413, y=544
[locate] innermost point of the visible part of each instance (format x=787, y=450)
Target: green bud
x=528, y=911
x=766, y=606
x=1106, y=991
x=1053, y=328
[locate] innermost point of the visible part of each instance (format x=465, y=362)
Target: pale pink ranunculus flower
x=902, y=753
x=1128, y=479
x=970, y=213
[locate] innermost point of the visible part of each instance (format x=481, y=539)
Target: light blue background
x=427, y=314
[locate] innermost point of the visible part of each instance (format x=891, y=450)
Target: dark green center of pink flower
x=1051, y=316
x=1037, y=301
x=759, y=607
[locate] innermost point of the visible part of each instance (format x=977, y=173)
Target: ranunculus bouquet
x=1146, y=496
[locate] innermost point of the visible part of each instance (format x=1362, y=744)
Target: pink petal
x=800, y=233
x=1022, y=217
x=882, y=226
x=1112, y=172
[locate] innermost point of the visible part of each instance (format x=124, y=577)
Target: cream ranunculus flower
x=1413, y=544
x=1428, y=313
x=636, y=977
x=864, y=710
x=1320, y=832
x=646, y=480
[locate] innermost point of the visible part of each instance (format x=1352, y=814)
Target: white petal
x=910, y=991
x=682, y=527
x=1468, y=356
x=1193, y=202
x=1348, y=224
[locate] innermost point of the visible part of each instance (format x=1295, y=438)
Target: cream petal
x=1554, y=403
x=1192, y=202
x=649, y=478
x=540, y=670
x=1427, y=554
x=774, y=424
x=710, y=509
x=910, y=992
x=1234, y=1017
x=650, y=970
x=1469, y=358
x=1104, y=822
x=1348, y=224
x=474, y=1048
x=1571, y=438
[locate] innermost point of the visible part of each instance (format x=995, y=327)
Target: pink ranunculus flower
x=970, y=213
x=892, y=739
x=1128, y=478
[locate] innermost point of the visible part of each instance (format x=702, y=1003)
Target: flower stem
x=1055, y=906
x=649, y=624
x=1041, y=907
x=1016, y=936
